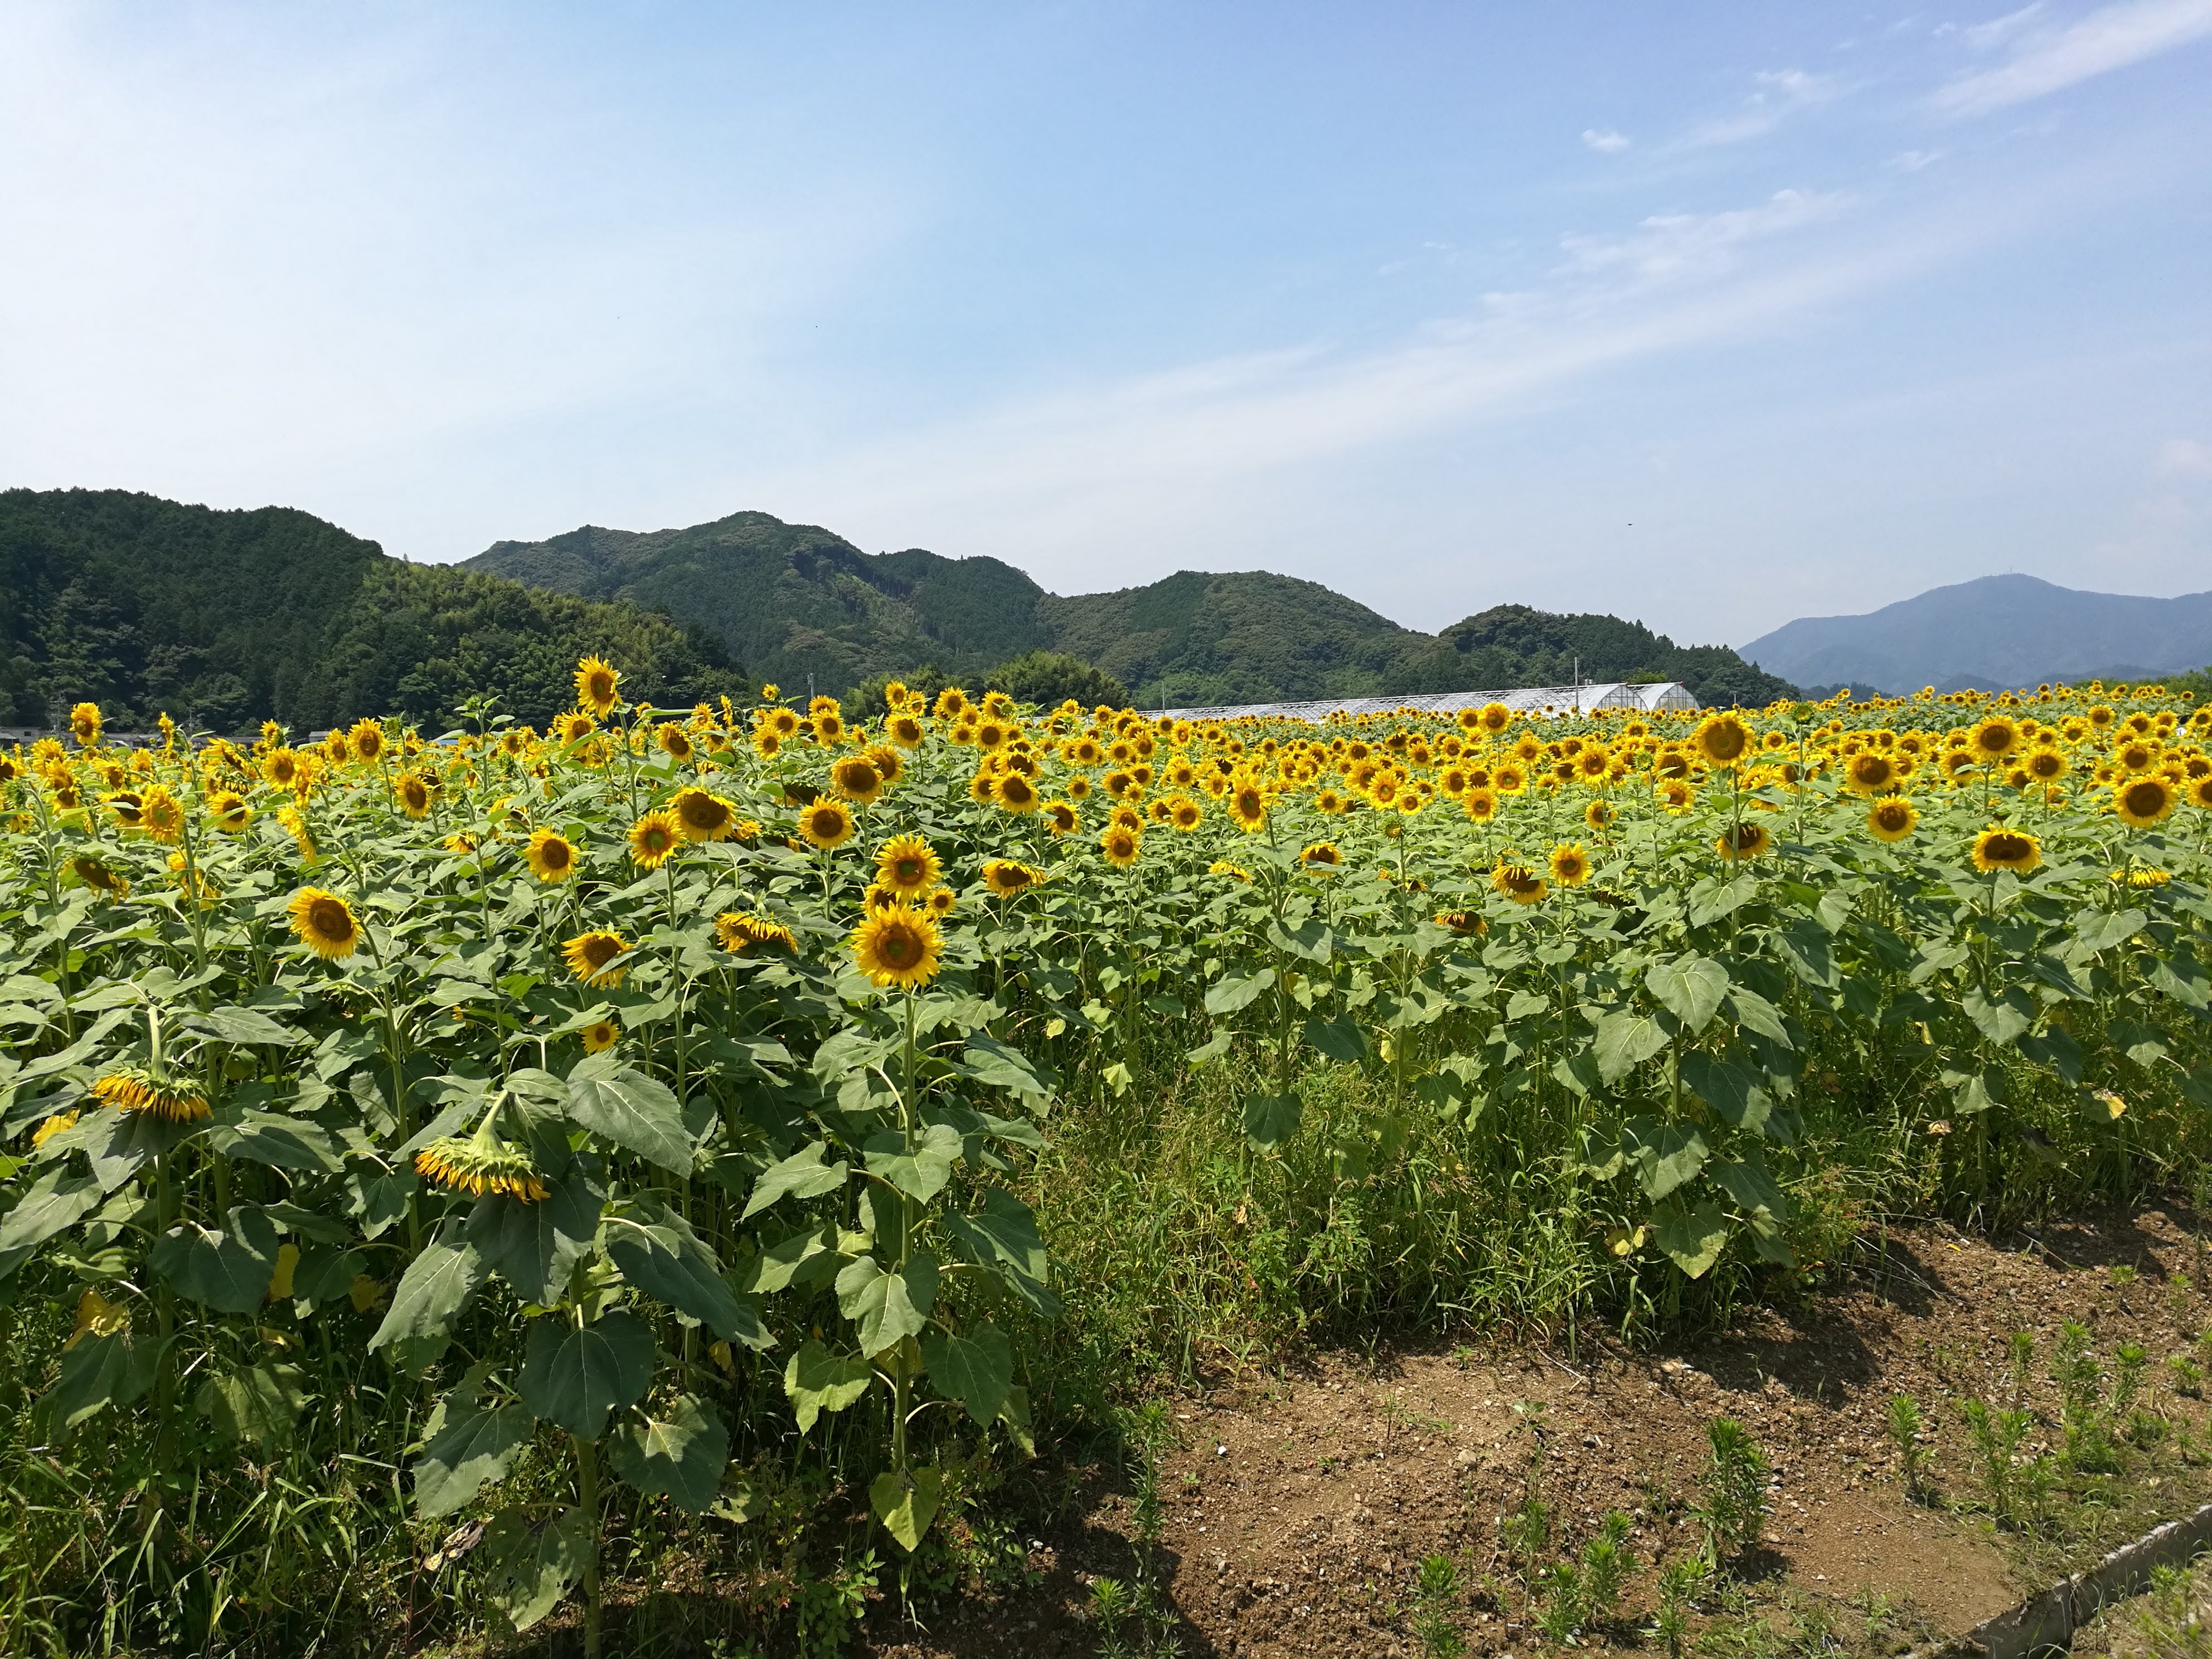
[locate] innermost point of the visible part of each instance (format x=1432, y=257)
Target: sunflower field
x=437, y=1172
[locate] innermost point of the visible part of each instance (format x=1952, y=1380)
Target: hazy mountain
x=795, y=600
x=144, y=605
x=1994, y=633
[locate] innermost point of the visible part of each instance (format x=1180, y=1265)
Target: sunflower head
x=655, y=837
x=1570, y=865
x=367, y=738
x=1462, y=921
x=324, y=924
x=2145, y=800
x=414, y=792
x=1248, y=804
x=1006, y=877
x=137, y=1089
x=1891, y=818
x=85, y=724
x=600, y=1035
x=1598, y=814
x=856, y=778
x=227, y=810
x=1061, y=818
x=827, y=824
x=480, y=1164
x=1869, y=772
x=1323, y=854
x=1724, y=740
x=1223, y=867
x=160, y=814
x=589, y=954
x=898, y=946
x=703, y=815
x=1744, y=841
x=1121, y=845
x=672, y=740
x=598, y=686
x=1184, y=813
x=1517, y=882
x=550, y=854
x=2001, y=849
x=740, y=931
x=907, y=865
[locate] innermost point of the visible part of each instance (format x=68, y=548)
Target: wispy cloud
x=2185, y=458
x=1605, y=140
x=2050, y=61
x=1673, y=245
x=1781, y=94
x=1912, y=160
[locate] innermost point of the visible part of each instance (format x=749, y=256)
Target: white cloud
x=1988, y=36
x=2185, y=458
x=1605, y=140
x=1912, y=160
x=1781, y=92
x=1672, y=245
x=2050, y=61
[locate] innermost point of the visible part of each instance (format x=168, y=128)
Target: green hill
x=795, y=600
x=223, y=618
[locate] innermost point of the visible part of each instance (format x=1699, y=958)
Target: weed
x=1681, y=1581
x=1608, y=1564
x=1732, y=1506
x=1907, y=1428
x=1436, y=1592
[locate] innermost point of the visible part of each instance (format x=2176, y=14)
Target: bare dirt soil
x=1297, y=1507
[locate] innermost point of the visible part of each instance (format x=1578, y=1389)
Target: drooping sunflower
x=1518, y=883
x=1322, y=852
x=1121, y=845
x=95, y=873
x=856, y=778
x=1235, y=872
x=1999, y=849
x=1724, y=740
x=480, y=1164
x=1891, y=818
x=736, y=931
x=827, y=824
x=1743, y=841
x=227, y=810
x=2145, y=800
x=550, y=854
x=899, y=946
x=600, y=1035
x=324, y=923
x=1462, y=921
x=589, y=954
x=598, y=686
x=1006, y=877
x=655, y=837
x=703, y=816
x=137, y=1089
x=1061, y=818
x=1570, y=865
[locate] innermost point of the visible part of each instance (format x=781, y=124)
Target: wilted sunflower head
x=2145, y=800
x=1517, y=882
x=2000, y=848
x=589, y=954
x=94, y=873
x=1323, y=854
x=480, y=1164
x=137, y=1089
x=324, y=923
x=1743, y=841
x=898, y=946
x=907, y=865
x=827, y=824
x=1891, y=818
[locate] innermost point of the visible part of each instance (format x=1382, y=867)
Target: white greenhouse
x=1541, y=700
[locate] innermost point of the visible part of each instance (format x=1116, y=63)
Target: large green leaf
x=675, y=1451
x=99, y=1371
x=1271, y=1120
x=1625, y=1039
x=2100, y=930
x=436, y=1288
x=1730, y=1088
x=906, y=1503
x=817, y=1381
x=574, y=1377
x=55, y=1202
x=1693, y=1239
x=659, y=1253
x=992, y=1062
x=1756, y=1014
x=1004, y=1234
x=975, y=1368
x=631, y=1110
x=260, y=1404
x=272, y=1138
x=534, y=1247
x=1750, y=1184
x=1805, y=949
x=2001, y=1021
x=803, y=1175
x=1664, y=1155
x=921, y=1173
x=1227, y=995
x=229, y=1270
x=888, y=1307
x=530, y=1571
x=243, y=1026
x=1340, y=1039
x=468, y=1451
x=1690, y=989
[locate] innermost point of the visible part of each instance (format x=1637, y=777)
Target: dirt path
x=1297, y=1509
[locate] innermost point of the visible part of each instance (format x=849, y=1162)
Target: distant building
x=1541, y=700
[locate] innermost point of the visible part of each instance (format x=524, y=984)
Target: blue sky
x=1711, y=315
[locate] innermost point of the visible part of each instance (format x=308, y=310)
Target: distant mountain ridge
x=794, y=601
x=1991, y=634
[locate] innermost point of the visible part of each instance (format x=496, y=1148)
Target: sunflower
x=85, y=724
x=826, y=823
x=1223, y=867
x=600, y=1035
x=655, y=837
x=856, y=778
x=1184, y=813
x=337, y=747
x=898, y=946
x=588, y=954
x=1598, y=814
x=672, y=740
x=1518, y=883
x=598, y=686
x=135, y=1089
x=907, y=865
x=1724, y=740
x=1999, y=849
x=737, y=930
x=1891, y=818
x=1993, y=738
x=1248, y=804
x=1330, y=802
x=482, y=1163
x=575, y=726
x=1462, y=921
x=1744, y=841
x=161, y=815
x=1493, y=717
x=1510, y=778
x=324, y=923
x=1006, y=877
x=227, y=810
x=1570, y=864
x=703, y=816
x=414, y=791
x=2143, y=801
x=888, y=764
x=1061, y=818
x=1017, y=794
x=1120, y=844
x=1322, y=853
x=2200, y=791
x=1869, y=772
x=827, y=725
x=59, y=1123
x=94, y=873
x=367, y=738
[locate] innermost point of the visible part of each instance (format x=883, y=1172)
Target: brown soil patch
x=1299, y=1507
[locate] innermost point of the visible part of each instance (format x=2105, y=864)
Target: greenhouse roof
x=1528, y=700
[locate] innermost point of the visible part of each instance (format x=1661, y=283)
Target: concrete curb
x=2046, y=1623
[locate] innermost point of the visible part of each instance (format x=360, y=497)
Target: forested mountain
x=796, y=600
x=223, y=618
x=1995, y=633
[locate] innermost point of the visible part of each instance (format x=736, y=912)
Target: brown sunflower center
x=328, y=919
